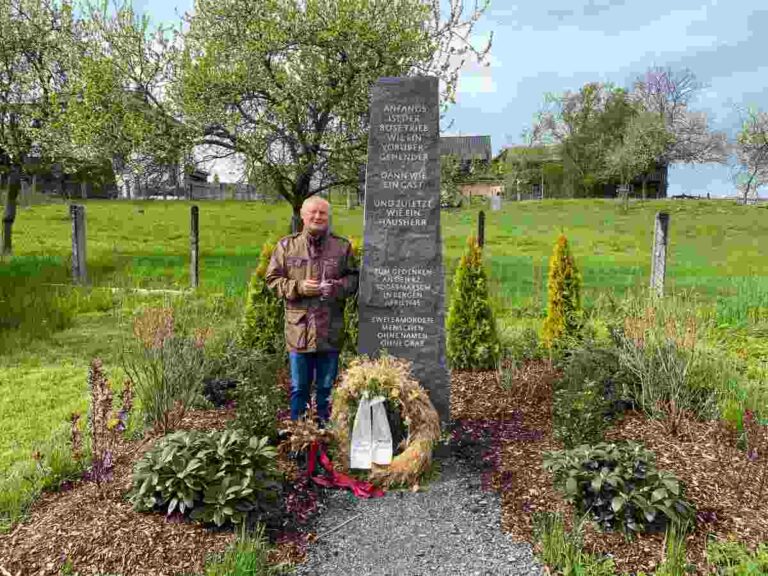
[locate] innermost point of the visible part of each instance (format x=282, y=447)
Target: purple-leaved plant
x=301, y=500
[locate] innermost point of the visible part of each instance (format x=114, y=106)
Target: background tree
x=530, y=164
x=450, y=180
x=285, y=83
x=585, y=125
x=115, y=106
x=645, y=138
x=752, y=153
x=34, y=40
x=667, y=93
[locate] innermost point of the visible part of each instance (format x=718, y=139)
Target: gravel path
x=451, y=526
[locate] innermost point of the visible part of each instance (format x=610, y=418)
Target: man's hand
x=327, y=288
x=309, y=287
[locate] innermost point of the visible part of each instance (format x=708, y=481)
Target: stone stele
x=402, y=289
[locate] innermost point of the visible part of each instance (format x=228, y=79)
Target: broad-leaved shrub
x=219, y=476
x=618, y=484
x=257, y=395
x=520, y=344
x=580, y=415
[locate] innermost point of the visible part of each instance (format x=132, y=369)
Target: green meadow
x=50, y=330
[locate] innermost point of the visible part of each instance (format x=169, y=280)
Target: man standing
x=313, y=271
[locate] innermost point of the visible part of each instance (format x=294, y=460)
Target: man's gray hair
x=314, y=199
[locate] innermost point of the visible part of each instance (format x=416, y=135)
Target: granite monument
x=401, y=299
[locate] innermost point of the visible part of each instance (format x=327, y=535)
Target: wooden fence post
x=659, y=256
x=77, y=214
x=481, y=229
x=194, y=245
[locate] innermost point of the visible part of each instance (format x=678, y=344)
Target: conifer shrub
x=563, y=297
x=263, y=321
x=473, y=340
x=351, y=319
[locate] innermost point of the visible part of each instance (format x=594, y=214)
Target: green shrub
x=263, y=319
x=473, y=341
x=520, y=344
x=580, y=415
x=588, y=394
x=588, y=362
x=732, y=558
x=562, y=551
x=219, y=476
x=619, y=486
x=258, y=396
x=563, y=296
x=351, y=318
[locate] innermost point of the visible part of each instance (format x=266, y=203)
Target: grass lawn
x=49, y=331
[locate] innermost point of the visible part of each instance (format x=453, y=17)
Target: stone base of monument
x=389, y=377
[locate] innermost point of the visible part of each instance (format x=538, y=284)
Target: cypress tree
x=351, y=329
x=473, y=341
x=563, y=295
x=262, y=326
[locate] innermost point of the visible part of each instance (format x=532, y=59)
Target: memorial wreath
x=389, y=377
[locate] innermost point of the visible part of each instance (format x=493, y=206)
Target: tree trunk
x=645, y=181
x=664, y=169
x=296, y=223
x=9, y=215
x=83, y=190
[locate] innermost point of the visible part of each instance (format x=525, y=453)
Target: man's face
x=315, y=217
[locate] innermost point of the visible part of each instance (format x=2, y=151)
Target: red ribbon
x=338, y=480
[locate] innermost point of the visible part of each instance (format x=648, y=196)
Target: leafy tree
x=667, y=93
x=285, y=83
x=752, y=153
x=34, y=45
x=563, y=296
x=450, y=180
x=473, y=341
x=115, y=108
x=585, y=125
x=528, y=165
x=645, y=138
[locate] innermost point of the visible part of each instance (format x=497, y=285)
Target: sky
x=542, y=46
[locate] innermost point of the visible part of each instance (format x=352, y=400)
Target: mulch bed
x=96, y=529
x=719, y=480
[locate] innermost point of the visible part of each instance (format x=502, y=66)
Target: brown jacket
x=312, y=324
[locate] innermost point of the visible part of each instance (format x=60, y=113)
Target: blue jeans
x=321, y=367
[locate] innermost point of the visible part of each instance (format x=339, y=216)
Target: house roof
x=545, y=153
x=466, y=147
